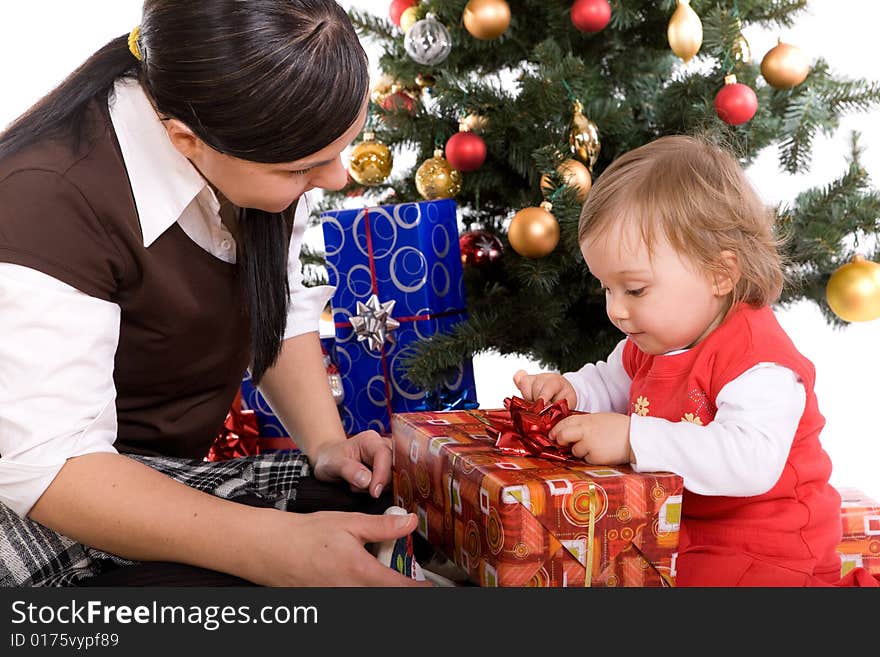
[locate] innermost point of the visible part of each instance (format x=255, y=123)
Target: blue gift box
x=398, y=279
x=269, y=424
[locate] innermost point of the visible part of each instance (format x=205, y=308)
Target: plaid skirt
x=33, y=555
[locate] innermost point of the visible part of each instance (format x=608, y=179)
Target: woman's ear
x=183, y=139
x=724, y=281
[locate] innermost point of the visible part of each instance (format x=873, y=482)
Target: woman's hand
x=326, y=548
x=364, y=461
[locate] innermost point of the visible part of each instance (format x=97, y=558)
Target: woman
x=152, y=209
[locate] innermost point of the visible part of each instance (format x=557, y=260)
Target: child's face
x=271, y=187
x=662, y=302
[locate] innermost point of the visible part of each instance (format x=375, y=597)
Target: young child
x=706, y=382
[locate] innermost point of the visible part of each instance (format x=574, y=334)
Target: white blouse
x=58, y=346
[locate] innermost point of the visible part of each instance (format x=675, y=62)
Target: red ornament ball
x=397, y=8
x=479, y=248
x=736, y=103
x=399, y=101
x=590, y=15
x=466, y=151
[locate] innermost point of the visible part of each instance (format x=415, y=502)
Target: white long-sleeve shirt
x=741, y=453
x=57, y=395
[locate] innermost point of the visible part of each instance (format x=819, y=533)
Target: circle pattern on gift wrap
x=576, y=506
x=658, y=492
x=540, y=580
x=405, y=492
x=439, y=235
x=331, y=228
x=494, y=531
x=472, y=540
x=454, y=384
x=521, y=551
x=384, y=231
x=409, y=269
x=374, y=385
x=403, y=210
x=423, y=482
x=359, y=286
x=431, y=323
x=438, y=270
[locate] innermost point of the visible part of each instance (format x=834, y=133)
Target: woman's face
x=268, y=187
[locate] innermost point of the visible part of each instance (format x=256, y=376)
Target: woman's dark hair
x=264, y=80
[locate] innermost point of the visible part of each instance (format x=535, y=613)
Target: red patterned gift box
x=513, y=520
x=860, y=542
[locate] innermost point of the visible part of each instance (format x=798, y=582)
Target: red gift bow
x=240, y=435
x=524, y=428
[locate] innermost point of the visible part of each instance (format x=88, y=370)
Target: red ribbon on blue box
x=398, y=279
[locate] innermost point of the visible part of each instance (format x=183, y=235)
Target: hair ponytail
x=60, y=112
x=263, y=269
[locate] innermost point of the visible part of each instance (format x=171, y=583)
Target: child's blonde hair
x=699, y=196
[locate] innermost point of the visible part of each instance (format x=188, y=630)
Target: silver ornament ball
x=428, y=42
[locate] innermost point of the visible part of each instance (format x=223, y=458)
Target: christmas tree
x=531, y=100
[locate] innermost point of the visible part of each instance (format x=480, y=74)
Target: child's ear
x=725, y=280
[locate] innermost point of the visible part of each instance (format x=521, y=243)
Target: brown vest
x=67, y=210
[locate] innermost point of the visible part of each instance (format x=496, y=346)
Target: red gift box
x=860, y=541
x=520, y=520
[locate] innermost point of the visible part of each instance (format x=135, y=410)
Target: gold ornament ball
x=370, y=162
x=384, y=87
x=584, y=137
x=574, y=174
x=578, y=176
x=436, y=178
x=408, y=18
x=534, y=232
x=486, y=19
x=785, y=66
x=853, y=291
x=685, y=31
x=475, y=123
x=742, y=51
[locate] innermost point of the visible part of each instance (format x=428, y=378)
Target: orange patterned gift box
x=860, y=542
x=512, y=520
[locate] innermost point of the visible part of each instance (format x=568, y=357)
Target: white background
x=41, y=41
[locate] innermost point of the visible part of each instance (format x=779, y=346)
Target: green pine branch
x=635, y=90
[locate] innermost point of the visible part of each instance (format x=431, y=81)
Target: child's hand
x=598, y=438
x=549, y=386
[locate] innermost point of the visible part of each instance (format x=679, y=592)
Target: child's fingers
x=581, y=450
x=553, y=391
x=524, y=382
x=567, y=431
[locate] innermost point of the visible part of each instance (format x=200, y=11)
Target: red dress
x=785, y=537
